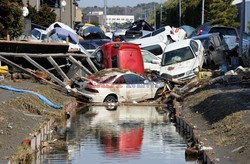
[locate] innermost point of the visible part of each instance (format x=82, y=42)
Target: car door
x=136, y=87
x=120, y=88
x=198, y=50
x=218, y=55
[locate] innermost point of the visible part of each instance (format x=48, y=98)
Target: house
x=67, y=11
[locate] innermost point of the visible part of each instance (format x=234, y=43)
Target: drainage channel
x=127, y=134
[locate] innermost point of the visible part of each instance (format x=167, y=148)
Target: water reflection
x=126, y=135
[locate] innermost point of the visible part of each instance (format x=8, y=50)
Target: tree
x=44, y=17
x=11, y=18
x=222, y=12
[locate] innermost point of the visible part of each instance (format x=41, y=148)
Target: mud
x=221, y=113
x=22, y=114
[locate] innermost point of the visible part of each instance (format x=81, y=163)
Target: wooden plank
x=8, y=62
x=73, y=60
x=64, y=65
x=92, y=64
x=58, y=69
x=88, y=58
x=12, y=54
x=3, y=59
x=44, y=70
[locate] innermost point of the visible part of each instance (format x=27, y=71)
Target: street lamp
x=62, y=8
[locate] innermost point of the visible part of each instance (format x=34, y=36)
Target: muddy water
x=139, y=135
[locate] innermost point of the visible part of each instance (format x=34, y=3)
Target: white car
x=38, y=35
x=156, y=41
x=183, y=59
x=151, y=62
x=114, y=85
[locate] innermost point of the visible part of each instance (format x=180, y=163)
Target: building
x=94, y=17
x=101, y=19
x=120, y=19
x=67, y=11
x=247, y=12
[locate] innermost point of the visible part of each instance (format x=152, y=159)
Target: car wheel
x=99, y=56
x=110, y=99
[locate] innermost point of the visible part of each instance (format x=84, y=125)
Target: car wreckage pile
x=149, y=65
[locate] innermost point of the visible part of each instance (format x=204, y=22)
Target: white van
x=182, y=59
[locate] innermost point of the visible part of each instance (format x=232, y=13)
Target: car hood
x=178, y=68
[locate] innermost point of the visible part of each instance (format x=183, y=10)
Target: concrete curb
x=37, y=141
x=208, y=157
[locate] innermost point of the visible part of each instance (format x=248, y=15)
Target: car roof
x=224, y=27
x=205, y=35
x=41, y=30
x=177, y=45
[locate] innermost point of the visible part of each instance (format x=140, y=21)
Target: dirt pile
x=222, y=114
x=22, y=114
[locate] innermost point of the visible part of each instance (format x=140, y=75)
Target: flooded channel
x=129, y=134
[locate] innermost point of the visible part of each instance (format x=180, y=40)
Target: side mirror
x=211, y=48
x=156, y=61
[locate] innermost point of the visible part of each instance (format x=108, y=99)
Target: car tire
x=111, y=98
x=99, y=56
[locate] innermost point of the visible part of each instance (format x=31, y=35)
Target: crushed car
x=138, y=29
x=214, y=50
x=156, y=41
x=93, y=37
x=120, y=55
x=116, y=85
x=182, y=60
x=231, y=37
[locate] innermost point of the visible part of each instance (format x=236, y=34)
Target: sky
x=110, y=3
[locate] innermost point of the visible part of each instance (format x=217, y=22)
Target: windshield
x=177, y=56
x=36, y=34
x=103, y=79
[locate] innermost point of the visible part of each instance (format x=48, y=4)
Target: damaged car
x=151, y=62
x=116, y=85
x=214, y=50
x=120, y=55
x=156, y=41
x=182, y=60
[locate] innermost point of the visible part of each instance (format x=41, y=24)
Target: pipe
x=41, y=97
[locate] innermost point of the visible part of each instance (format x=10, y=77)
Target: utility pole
x=242, y=25
x=203, y=12
x=179, y=12
x=154, y=17
x=161, y=15
x=37, y=5
x=105, y=12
